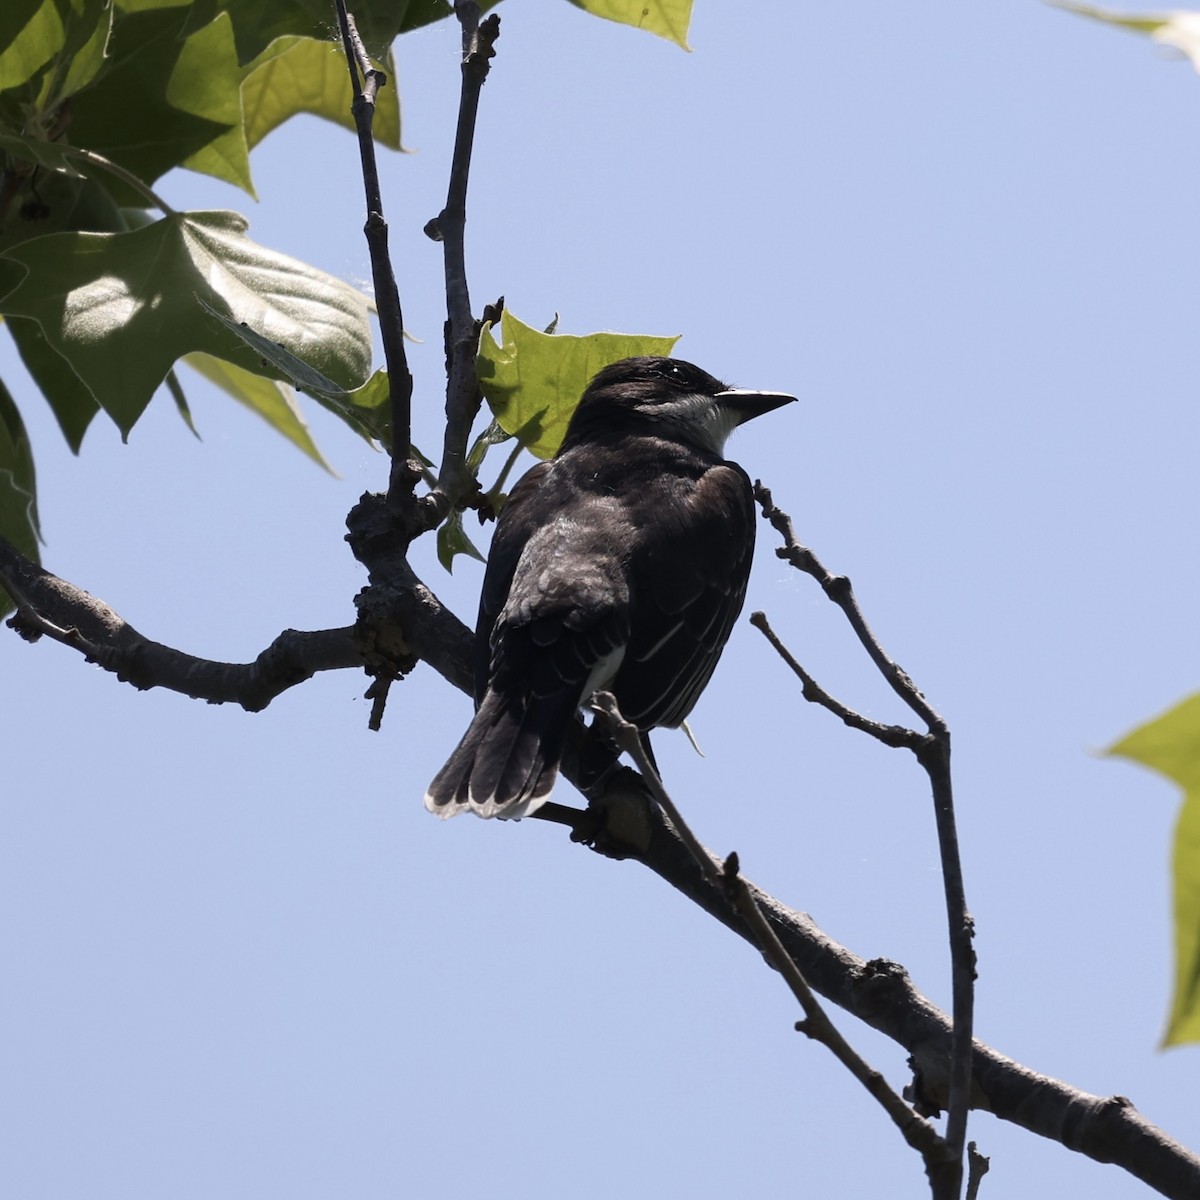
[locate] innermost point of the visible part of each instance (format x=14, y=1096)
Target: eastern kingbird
x=619, y=565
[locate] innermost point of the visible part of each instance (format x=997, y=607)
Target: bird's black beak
x=745, y=404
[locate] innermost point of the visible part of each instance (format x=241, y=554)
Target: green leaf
x=163, y=101
x=1145, y=23
x=51, y=156
x=86, y=47
x=452, y=541
x=494, y=435
x=122, y=308
x=296, y=75
x=72, y=403
x=207, y=82
x=1170, y=744
x=51, y=202
x=364, y=409
x=182, y=407
x=137, y=6
x=31, y=33
x=271, y=400
x=534, y=381
x=18, y=490
x=1179, y=30
x=667, y=18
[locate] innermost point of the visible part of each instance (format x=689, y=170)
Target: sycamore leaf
x=122, y=308
x=207, y=82
x=137, y=6
x=182, y=407
x=86, y=47
x=31, y=34
x=452, y=541
x=53, y=202
x=493, y=435
x=72, y=403
x=364, y=409
x=162, y=101
x=367, y=409
x=1179, y=30
x=273, y=401
x=1170, y=744
x=533, y=381
x=18, y=492
x=299, y=74
x=667, y=18
x=53, y=156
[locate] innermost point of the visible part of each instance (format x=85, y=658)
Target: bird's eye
x=674, y=372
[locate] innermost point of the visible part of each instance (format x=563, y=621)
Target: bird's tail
x=507, y=761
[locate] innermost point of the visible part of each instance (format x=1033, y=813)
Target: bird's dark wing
x=517, y=524
x=687, y=596
x=553, y=624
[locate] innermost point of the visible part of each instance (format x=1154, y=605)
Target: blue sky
x=242, y=959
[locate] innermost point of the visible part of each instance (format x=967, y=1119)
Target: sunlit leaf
x=86, y=46
x=667, y=18
x=122, y=308
x=18, y=490
x=1137, y=22
x=162, y=101
x=1180, y=29
x=31, y=34
x=364, y=409
x=533, y=381
x=297, y=75
x=1170, y=744
x=207, y=82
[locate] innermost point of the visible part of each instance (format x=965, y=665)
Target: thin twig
x=933, y=753
x=977, y=1168
x=816, y=1024
x=366, y=81
x=449, y=228
x=896, y=736
x=838, y=589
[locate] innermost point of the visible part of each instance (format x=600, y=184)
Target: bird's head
x=667, y=397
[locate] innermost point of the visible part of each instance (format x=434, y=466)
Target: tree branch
x=727, y=877
x=933, y=753
x=449, y=228
x=622, y=822
x=626, y=823
x=52, y=607
x=366, y=81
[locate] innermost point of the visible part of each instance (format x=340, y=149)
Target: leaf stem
x=106, y=164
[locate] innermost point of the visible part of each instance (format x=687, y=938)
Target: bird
x=618, y=565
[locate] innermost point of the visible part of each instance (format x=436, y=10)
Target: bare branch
x=622, y=822
x=933, y=753
x=366, y=81
x=896, y=736
x=626, y=823
x=977, y=1168
x=838, y=589
x=939, y=1163
x=52, y=607
x=449, y=228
